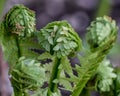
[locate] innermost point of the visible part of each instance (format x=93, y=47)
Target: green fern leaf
x=66, y=66
x=45, y=55
x=9, y=47
x=86, y=71
x=27, y=74
x=105, y=76
x=27, y=47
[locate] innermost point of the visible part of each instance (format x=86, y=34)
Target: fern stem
x=88, y=72
x=18, y=92
x=77, y=91
x=104, y=8
x=54, y=75
x=18, y=46
x=2, y=4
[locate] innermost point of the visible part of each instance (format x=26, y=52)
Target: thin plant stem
x=54, y=75
x=103, y=8
x=2, y=3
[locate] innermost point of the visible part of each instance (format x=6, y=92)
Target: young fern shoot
x=60, y=40
x=18, y=24
x=17, y=27
x=102, y=34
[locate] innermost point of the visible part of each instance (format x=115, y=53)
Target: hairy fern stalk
x=31, y=71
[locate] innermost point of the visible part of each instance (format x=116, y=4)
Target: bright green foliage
x=20, y=20
x=9, y=46
x=59, y=38
x=86, y=71
x=102, y=34
x=26, y=47
x=65, y=68
x=105, y=76
x=102, y=31
x=27, y=74
x=2, y=4
x=14, y=48
x=10, y=50
x=44, y=56
x=47, y=65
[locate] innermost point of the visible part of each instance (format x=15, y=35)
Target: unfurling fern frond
x=20, y=20
x=59, y=38
x=27, y=74
x=102, y=33
x=59, y=41
x=101, y=36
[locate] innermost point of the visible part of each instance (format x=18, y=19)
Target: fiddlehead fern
x=60, y=40
x=102, y=32
x=27, y=74
x=20, y=20
x=101, y=36
x=18, y=23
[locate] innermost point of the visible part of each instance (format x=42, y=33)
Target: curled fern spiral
x=27, y=74
x=59, y=38
x=20, y=20
x=102, y=31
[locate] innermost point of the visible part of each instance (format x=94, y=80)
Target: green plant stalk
x=2, y=3
x=19, y=92
x=77, y=91
x=88, y=72
x=18, y=45
x=103, y=8
x=16, y=91
x=54, y=75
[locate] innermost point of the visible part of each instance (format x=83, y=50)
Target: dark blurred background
x=79, y=13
